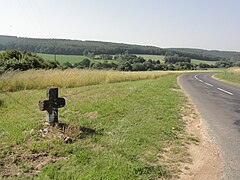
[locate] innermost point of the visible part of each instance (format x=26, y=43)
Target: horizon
x=165, y=24
x=122, y=43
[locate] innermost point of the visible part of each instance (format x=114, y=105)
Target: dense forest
x=77, y=47
x=73, y=47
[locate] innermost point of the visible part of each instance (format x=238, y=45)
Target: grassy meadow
x=123, y=125
x=230, y=75
x=70, y=58
x=197, y=61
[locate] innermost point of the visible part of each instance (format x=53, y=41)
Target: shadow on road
x=237, y=110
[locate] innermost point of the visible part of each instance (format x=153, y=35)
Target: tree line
x=213, y=53
x=18, y=60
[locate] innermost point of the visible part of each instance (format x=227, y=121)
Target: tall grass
x=234, y=70
x=38, y=79
x=231, y=75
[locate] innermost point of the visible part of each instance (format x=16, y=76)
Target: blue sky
x=207, y=24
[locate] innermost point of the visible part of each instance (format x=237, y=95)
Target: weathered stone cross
x=51, y=105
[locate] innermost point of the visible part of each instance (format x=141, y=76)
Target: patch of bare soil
x=19, y=161
x=206, y=162
x=23, y=163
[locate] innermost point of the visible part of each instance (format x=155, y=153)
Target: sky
x=206, y=24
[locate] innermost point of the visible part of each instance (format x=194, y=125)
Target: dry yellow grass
x=231, y=75
x=234, y=70
x=38, y=79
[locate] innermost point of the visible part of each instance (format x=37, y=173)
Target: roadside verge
x=206, y=160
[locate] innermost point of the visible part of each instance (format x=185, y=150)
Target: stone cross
x=51, y=105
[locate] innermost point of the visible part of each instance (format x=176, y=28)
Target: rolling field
x=196, y=61
x=121, y=128
x=70, y=58
x=63, y=58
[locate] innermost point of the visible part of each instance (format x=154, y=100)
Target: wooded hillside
x=78, y=47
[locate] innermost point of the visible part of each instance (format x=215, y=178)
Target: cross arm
x=48, y=104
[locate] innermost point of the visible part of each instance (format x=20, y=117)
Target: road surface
x=219, y=105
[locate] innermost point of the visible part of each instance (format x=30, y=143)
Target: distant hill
x=223, y=54
x=74, y=47
x=78, y=47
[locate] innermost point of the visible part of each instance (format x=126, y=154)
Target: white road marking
x=196, y=77
x=208, y=84
x=225, y=91
x=220, y=89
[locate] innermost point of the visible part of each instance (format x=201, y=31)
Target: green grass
x=70, y=58
x=197, y=61
x=63, y=58
x=134, y=123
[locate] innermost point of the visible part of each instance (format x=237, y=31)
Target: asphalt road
x=219, y=105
